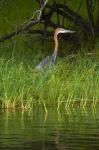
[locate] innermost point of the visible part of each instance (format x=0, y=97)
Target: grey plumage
x=48, y=60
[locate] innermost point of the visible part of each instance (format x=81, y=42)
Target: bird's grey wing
x=43, y=63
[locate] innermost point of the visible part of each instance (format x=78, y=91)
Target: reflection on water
x=65, y=130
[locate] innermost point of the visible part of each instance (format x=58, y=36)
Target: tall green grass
x=69, y=81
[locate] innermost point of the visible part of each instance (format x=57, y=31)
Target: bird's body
x=50, y=60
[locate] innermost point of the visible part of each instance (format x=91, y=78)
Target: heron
x=50, y=60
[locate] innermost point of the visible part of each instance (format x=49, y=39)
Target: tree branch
x=89, y=5
x=73, y=17
x=26, y=25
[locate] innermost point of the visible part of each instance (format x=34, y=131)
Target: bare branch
x=41, y=10
x=25, y=25
x=89, y=5
x=69, y=14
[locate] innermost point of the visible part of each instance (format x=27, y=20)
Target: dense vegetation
x=73, y=79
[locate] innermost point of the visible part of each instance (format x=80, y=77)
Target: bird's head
x=61, y=30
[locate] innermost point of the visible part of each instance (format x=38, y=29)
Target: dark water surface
x=34, y=130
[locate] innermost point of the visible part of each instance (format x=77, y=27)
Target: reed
x=69, y=81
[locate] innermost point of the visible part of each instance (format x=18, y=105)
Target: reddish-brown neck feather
x=56, y=40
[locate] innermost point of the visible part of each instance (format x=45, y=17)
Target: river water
x=73, y=129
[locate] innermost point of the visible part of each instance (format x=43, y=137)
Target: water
x=35, y=130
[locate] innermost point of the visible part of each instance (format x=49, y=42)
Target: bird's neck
x=56, y=43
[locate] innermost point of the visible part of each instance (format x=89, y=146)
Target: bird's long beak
x=68, y=31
